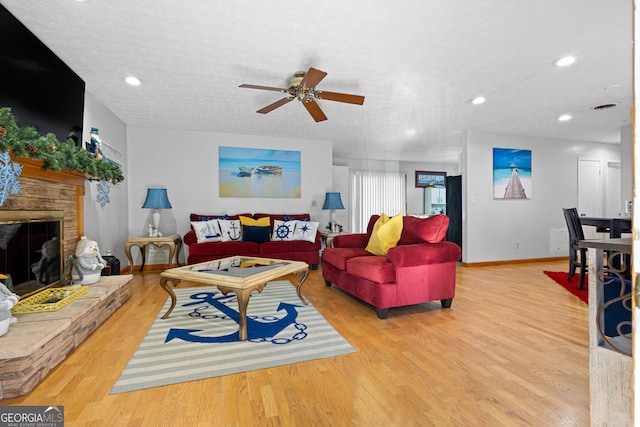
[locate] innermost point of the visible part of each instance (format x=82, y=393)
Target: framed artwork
x=255, y=172
x=430, y=179
x=511, y=173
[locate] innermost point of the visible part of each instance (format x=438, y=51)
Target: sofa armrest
x=190, y=238
x=355, y=240
x=424, y=253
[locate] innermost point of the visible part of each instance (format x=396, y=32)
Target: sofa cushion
x=230, y=230
x=216, y=250
x=385, y=235
x=282, y=246
x=283, y=230
x=424, y=230
x=338, y=256
x=252, y=233
x=306, y=230
x=207, y=231
x=255, y=230
x=378, y=269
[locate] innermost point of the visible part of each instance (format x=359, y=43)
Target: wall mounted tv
x=41, y=89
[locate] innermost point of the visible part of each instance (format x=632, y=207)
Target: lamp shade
x=333, y=201
x=157, y=199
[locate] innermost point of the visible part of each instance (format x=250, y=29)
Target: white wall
x=491, y=226
x=186, y=163
x=108, y=225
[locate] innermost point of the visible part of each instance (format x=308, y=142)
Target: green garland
x=26, y=141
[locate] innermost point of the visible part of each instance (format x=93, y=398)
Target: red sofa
x=294, y=250
x=421, y=268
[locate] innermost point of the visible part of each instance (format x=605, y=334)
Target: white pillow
x=230, y=229
x=207, y=231
x=283, y=230
x=306, y=230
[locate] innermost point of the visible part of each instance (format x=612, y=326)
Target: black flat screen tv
x=41, y=89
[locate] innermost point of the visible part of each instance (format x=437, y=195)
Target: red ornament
x=3, y=131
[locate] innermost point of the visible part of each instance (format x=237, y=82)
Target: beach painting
x=255, y=172
x=511, y=173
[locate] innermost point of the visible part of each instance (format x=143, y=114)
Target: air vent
x=604, y=106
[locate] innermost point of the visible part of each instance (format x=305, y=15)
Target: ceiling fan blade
x=340, y=97
x=277, y=89
x=314, y=109
x=275, y=105
x=312, y=78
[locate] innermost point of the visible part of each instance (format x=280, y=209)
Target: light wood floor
x=512, y=351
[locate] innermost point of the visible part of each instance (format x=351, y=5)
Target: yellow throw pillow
x=262, y=222
x=385, y=235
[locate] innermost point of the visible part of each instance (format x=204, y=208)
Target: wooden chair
x=575, y=236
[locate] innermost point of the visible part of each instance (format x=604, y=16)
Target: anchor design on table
x=255, y=328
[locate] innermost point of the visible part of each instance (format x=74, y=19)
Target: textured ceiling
x=418, y=63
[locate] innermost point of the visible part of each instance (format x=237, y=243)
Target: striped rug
x=200, y=338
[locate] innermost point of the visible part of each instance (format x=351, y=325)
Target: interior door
x=590, y=187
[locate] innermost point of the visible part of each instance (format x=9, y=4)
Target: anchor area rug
x=200, y=337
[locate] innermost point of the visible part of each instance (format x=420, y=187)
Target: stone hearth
x=38, y=342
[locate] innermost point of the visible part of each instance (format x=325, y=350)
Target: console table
x=610, y=366
x=174, y=242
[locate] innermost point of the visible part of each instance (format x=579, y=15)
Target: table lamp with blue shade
x=332, y=201
x=156, y=199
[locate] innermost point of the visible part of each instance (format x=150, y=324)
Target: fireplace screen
x=31, y=244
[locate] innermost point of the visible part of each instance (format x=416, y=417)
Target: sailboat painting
x=511, y=173
x=255, y=172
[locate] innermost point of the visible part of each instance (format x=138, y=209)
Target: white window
x=374, y=193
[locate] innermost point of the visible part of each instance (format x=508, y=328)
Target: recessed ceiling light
x=564, y=117
x=563, y=62
x=133, y=81
x=478, y=100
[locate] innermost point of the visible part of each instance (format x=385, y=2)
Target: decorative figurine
x=95, y=146
x=88, y=262
x=7, y=300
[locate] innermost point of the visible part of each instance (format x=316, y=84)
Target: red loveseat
x=421, y=268
x=294, y=250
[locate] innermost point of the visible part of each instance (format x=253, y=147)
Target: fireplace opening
x=31, y=249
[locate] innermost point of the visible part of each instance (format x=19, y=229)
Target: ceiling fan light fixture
x=564, y=61
x=564, y=118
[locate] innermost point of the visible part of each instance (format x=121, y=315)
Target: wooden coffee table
x=240, y=275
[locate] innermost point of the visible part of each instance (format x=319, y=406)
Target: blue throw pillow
x=251, y=233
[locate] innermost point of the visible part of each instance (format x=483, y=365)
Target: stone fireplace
x=38, y=342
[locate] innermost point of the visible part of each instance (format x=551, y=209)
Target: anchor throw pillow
x=230, y=230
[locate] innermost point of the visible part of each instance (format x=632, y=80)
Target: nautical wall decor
x=511, y=173
x=254, y=172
